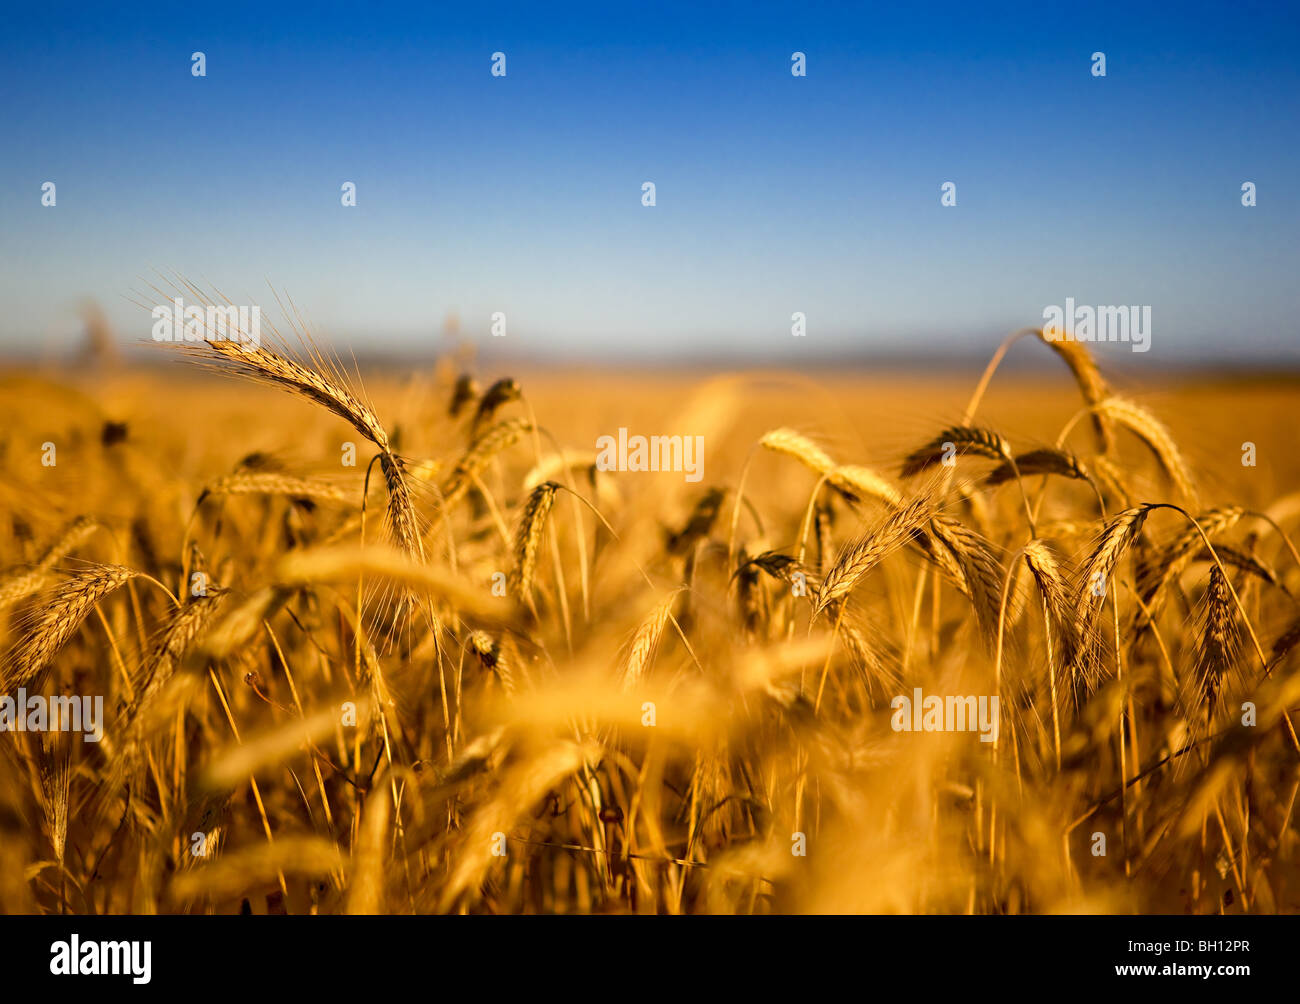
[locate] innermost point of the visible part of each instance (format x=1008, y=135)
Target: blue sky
x=775, y=194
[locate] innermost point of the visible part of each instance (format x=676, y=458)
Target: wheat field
x=397, y=645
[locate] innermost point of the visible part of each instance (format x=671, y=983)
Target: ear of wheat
x=646, y=641
x=251, y=482
x=854, y=481
x=1152, y=432
x=167, y=655
x=1057, y=600
x=499, y=394
x=486, y=446
x=1219, y=642
x=1155, y=577
x=953, y=441
x=465, y=391
x=528, y=536
x=799, y=446
x=58, y=619
x=870, y=549
x=263, y=365
x=1045, y=461
x=1096, y=573
x=981, y=572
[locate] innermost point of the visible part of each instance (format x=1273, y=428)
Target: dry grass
x=676, y=679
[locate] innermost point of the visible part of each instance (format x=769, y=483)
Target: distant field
x=512, y=682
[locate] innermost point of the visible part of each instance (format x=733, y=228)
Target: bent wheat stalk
x=262, y=365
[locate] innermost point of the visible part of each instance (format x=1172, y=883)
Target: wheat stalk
x=500, y=437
